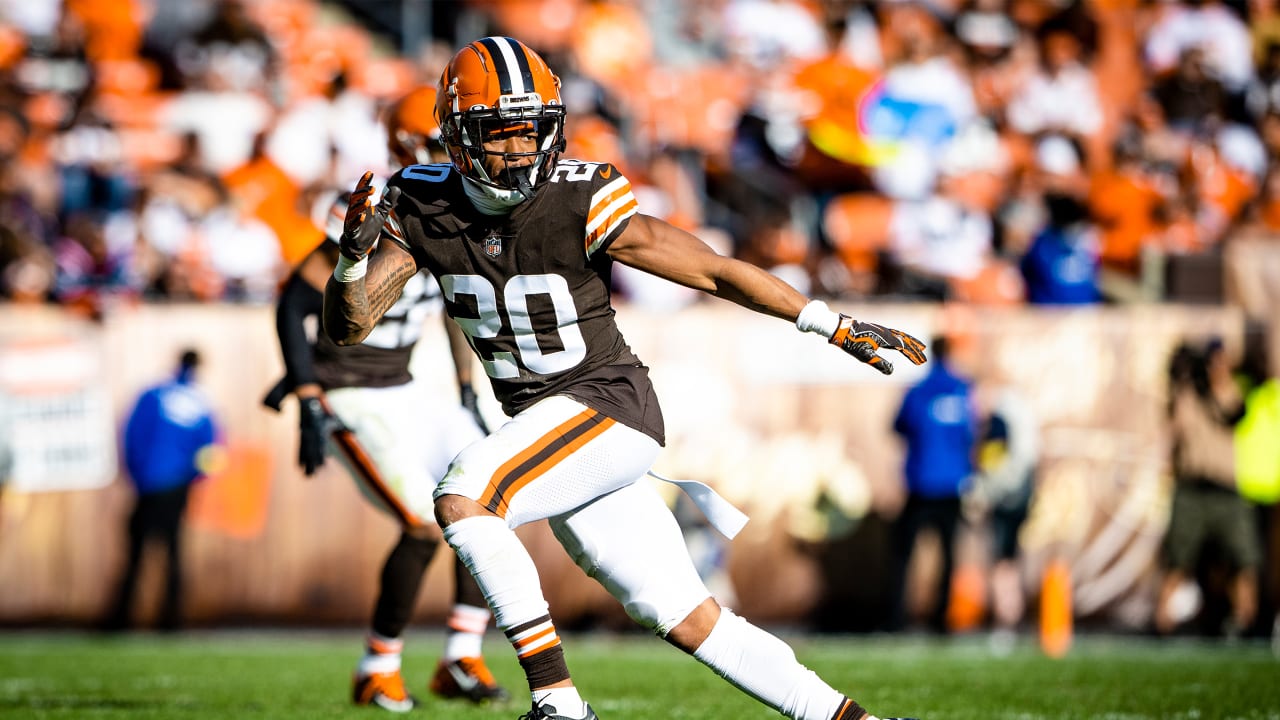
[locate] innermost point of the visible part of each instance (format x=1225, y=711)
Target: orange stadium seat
x=547, y=25
x=611, y=42
x=696, y=108
x=590, y=137
x=319, y=52
x=998, y=283
x=113, y=27
x=857, y=224
x=12, y=45
x=283, y=20
x=127, y=76
x=384, y=77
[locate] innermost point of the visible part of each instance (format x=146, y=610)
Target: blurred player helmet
x=336, y=217
x=496, y=85
x=413, y=137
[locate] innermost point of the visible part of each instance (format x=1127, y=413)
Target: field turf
x=305, y=674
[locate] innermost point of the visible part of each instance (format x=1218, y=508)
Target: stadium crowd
x=997, y=152
x=991, y=151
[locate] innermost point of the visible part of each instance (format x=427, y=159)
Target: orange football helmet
x=413, y=137
x=496, y=85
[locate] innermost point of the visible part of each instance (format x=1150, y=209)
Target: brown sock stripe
x=539, y=651
x=544, y=454
x=533, y=636
x=849, y=710
x=545, y=667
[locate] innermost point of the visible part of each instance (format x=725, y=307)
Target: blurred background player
x=168, y=445
x=1003, y=483
x=362, y=405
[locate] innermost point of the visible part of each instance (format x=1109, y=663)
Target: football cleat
x=467, y=678
x=548, y=712
x=384, y=690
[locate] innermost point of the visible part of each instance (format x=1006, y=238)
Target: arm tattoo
x=352, y=309
x=384, y=291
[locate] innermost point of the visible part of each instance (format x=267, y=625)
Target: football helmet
x=497, y=87
x=335, y=218
x=413, y=137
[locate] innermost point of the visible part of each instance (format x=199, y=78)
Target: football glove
x=364, y=222
x=468, y=398
x=863, y=339
x=316, y=425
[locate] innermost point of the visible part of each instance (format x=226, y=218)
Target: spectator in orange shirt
x=1126, y=203
x=267, y=193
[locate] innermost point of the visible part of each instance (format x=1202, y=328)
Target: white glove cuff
x=348, y=270
x=816, y=317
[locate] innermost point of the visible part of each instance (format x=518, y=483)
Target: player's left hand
x=316, y=424
x=863, y=339
x=364, y=222
x=467, y=396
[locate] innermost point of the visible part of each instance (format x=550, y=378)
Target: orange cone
x=1055, y=609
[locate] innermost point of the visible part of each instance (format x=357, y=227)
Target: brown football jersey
x=531, y=288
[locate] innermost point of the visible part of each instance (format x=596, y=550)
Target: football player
x=521, y=243
x=361, y=405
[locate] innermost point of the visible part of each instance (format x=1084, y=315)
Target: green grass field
x=305, y=674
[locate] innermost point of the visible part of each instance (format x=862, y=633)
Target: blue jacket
x=1061, y=268
x=168, y=426
x=938, y=423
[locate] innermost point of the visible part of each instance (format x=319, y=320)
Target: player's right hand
x=364, y=221
x=316, y=424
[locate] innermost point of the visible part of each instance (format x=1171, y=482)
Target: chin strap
x=524, y=186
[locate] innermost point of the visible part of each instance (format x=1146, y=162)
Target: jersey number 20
x=515, y=299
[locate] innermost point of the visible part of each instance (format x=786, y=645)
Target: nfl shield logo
x=493, y=245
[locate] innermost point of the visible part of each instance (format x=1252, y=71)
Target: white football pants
x=408, y=435
x=565, y=462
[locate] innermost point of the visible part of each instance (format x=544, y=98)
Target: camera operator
x=1204, y=406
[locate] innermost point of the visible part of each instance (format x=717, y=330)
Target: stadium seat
x=857, y=224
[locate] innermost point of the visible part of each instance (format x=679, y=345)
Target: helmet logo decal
x=493, y=244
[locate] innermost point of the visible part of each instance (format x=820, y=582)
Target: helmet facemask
x=516, y=115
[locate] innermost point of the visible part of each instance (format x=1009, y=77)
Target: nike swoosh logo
x=606, y=171
x=460, y=676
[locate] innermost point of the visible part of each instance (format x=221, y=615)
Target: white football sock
x=502, y=568
x=766, y=668
x=467, y=624
x=381, y=655
x=566, y=701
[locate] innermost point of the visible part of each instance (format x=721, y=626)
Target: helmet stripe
x=522, y=63
x=504, y=64
x=499, y=64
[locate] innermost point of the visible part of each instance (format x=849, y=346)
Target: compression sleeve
x=298, y=299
